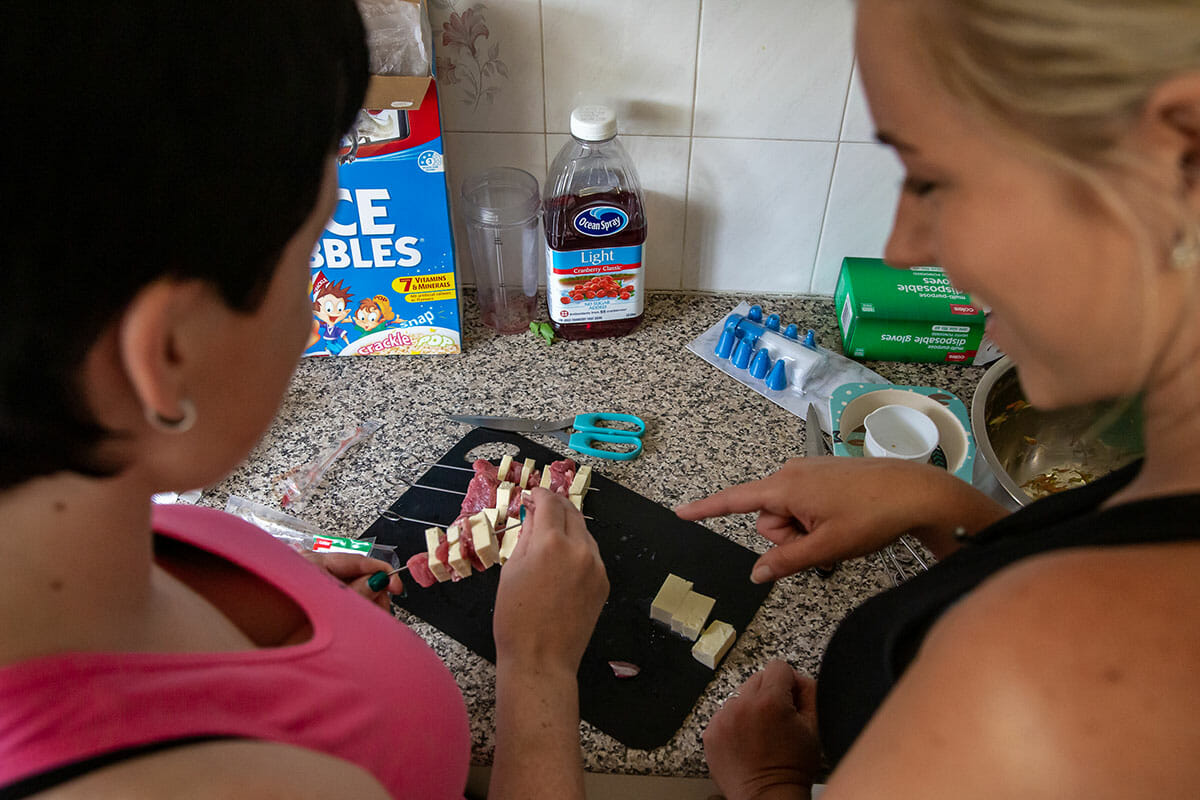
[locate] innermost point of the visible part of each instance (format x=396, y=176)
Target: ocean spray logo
x=600, y=221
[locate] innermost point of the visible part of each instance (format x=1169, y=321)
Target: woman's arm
x=820, y=510
x=550, y=596
x=1070, y=675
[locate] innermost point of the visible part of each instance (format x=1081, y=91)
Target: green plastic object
x=911, y=314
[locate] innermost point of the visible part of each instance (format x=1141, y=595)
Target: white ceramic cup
x=896, y=431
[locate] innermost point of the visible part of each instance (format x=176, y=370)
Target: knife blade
x=514, y=424
x=814, y=438
x=815, y=446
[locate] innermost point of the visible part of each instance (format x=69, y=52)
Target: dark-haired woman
x=178, y=652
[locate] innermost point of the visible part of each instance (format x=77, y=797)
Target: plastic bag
x=300, y=482
x=304, y=536
x=398, y=36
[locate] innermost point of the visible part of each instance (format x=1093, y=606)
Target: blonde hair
x=1067, y=80
x=1073, y=73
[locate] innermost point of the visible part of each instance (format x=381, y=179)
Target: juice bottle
x=595, y=224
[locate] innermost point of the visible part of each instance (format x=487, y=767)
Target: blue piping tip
x=761, y=364
x=755, y=314
x=725, y=343
x=741, y=354
x=792, y=332
x=777, y=379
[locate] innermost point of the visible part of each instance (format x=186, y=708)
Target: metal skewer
x=392, y=516
x=412, y=485
x=380, y=579
x=463, y=469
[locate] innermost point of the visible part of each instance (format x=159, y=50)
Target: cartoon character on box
x=373, y=313
x=330, y=307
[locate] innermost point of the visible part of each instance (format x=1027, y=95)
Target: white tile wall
x=754, y=213
x=638, y=55
x=857, y=125
x=745, y=120
x=773, y=69
x=468, y=153
x=862, y=202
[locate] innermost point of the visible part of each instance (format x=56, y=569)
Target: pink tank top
x=364, y=688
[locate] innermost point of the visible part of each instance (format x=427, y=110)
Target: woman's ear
x=1174, y=110
x=150, y=348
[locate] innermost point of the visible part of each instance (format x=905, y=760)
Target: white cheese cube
x=692, y=615
x=433, y=538
x=495, y=516
x=458, y=562
x=576, y=500
x=714, y=643
x=546, y=476
x=504, y=496
x=484, y=539
x=509, y=543
x=526, y=471
x=670, y=595
x=583, y=479
x=453, y=533
x=505, y=466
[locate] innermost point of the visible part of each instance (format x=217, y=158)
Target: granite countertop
x=705, y=430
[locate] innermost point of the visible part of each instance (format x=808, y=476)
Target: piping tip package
x=789, y=369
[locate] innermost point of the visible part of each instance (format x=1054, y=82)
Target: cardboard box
x=913, y=314
x=383, y=276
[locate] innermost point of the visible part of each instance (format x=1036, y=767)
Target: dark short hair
x=145, y=139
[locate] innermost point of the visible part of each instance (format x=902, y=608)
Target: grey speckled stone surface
x=705, y=430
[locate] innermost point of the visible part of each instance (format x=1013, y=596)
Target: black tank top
x=877, y=641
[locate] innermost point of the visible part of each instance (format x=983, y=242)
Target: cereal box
x=383, y=278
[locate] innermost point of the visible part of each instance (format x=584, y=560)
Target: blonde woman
x=1052, y=150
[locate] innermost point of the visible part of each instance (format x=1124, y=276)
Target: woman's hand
x=355, y=571
x=551, y=589
x=821, y=510
x=550, y=595
x=763, y=742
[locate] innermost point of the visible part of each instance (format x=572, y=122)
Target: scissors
x=579, y=433
x=814, y=447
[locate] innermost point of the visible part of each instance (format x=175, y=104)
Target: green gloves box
x=910, y=314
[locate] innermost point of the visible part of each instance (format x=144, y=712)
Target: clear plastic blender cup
x=501, y=207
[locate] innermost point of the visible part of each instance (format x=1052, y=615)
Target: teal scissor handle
x=590, y=428
x=594, y=423
x=582, y=442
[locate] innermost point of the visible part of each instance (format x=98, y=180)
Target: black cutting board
x=640, y=542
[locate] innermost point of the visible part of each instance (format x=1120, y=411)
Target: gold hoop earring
x=181, y=425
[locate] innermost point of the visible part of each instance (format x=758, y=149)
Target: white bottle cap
x=593, y=123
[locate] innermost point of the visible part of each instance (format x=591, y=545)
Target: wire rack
x=902, y=560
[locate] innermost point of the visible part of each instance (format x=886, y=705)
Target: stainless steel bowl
x=1033, y=453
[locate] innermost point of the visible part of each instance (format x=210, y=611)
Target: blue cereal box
x=383, y=279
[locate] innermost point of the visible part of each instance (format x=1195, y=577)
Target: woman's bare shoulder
x=225, y=770
x=1068, y=675
x=1109, y=612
